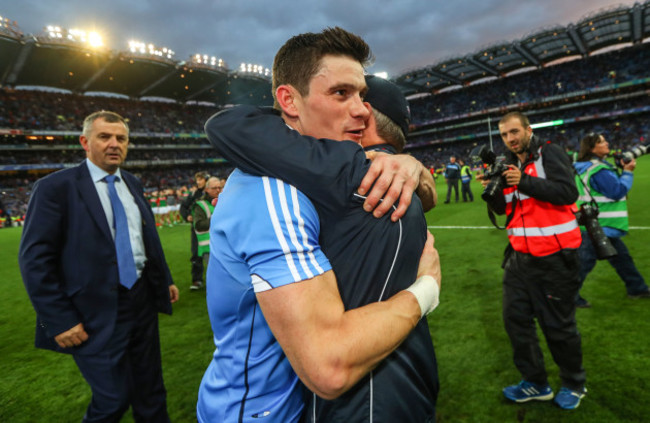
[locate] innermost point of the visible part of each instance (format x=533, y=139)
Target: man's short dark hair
x=110, y=117
x=299, y=59
x=516, y=115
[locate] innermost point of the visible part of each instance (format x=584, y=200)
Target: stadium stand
x=589, y=76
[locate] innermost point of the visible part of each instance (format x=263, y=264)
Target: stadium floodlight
x=254, y=69
x=150, y=49
x=94, y=39
x=77, y=36
x=9, y=26
x=206, y=60
x=382, y=74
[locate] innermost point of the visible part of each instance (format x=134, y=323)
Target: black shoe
x=447, y=202
x=644, y=294
x=582, y=303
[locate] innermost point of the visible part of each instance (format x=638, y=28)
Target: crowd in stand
x=596, y=71
x=22, y=109
x=155, y=126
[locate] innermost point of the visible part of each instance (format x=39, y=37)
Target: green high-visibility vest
x=465, y=174
x=203, y=238
x=611, y=213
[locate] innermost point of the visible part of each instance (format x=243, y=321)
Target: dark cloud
x=403, y=35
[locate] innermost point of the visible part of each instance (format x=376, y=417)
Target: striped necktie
x=125, y=262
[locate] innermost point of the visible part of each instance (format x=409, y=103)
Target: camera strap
x=493, y=217
x=592, y=201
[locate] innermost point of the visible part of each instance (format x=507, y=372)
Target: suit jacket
x=68, y=262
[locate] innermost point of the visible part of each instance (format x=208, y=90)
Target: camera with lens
x=587, y=216
x=493, y=172
x=627, y=156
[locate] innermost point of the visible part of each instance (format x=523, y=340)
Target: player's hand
x=395, y=177
x=72, y=337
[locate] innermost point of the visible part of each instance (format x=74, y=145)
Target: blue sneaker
x=528, y=391
x=568, y=399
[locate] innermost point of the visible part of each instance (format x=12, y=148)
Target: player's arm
x=330, y=348
x=258, y=141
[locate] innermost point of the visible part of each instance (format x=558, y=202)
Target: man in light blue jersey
x=272, y=297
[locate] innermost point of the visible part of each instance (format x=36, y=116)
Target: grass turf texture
x=474, y=355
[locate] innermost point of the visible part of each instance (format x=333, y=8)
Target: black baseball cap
x=387, y=98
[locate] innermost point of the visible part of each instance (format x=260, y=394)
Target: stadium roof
x=27, y=60
x=61, y=63
x=606, y=28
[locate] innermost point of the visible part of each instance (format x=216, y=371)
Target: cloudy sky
x=403, y=34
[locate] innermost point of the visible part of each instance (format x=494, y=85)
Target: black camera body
x=627, y=156
x=587, y=216
x=494, y=172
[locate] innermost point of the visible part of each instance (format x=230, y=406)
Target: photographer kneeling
x=609, y=190
x=537, y=191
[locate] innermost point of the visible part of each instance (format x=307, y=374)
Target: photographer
x=609, y=190
x=537, y=191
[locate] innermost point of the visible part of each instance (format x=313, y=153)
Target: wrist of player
x=427, y=292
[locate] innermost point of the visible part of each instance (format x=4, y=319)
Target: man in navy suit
x=69, y=264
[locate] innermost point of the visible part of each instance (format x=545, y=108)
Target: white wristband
x=427, y=292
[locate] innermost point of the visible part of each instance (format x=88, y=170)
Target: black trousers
x=128, y=371
x=452, y=183
x=543, y=289
x=196, y=260
x=466, y=190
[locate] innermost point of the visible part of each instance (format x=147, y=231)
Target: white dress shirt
x=131, y=209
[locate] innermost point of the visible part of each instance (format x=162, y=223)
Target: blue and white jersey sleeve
x=285, y=249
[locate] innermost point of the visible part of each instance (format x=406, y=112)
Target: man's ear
x=83, y=141
x=287, y=96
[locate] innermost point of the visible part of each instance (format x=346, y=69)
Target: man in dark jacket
x=95, y=271
x=452, y=175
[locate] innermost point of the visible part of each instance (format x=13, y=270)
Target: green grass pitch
x=473, y=351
